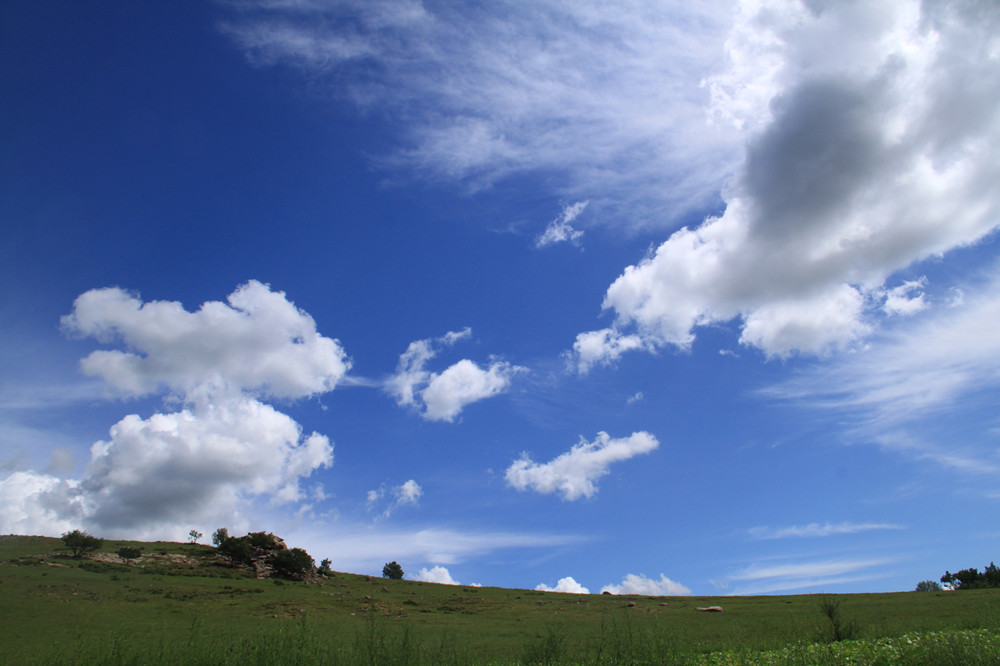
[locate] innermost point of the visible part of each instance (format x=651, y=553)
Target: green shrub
x=293, y=564
x=80, y=542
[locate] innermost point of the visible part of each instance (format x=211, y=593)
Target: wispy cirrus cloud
x=560, y=230
x=605, y=98
x=817, y=530
x=767, y=578
x=897, y=388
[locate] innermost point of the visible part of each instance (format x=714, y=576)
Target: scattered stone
x=710, y=609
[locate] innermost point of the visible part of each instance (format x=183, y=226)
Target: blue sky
x=640, y=298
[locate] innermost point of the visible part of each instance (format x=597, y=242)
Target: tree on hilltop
x=80, y=542
x=220, y=535
x=392, y=570
x=236, y=550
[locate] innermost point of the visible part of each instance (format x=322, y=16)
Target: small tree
x=294, y=563
x=928, y=586
x=324, y=567
x=392, y=570
x=220, y=535
x=236, y=550
x=128, y=553
x=80, y=542
x=194, y=535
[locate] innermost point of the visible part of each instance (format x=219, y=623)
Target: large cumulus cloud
x=223, y=449
x=872, y=131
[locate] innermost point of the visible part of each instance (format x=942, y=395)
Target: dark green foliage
x=294, y=563
x=128, y=553
x=972, y=579
x=392, y=570
x=928, y=586
x=264, y=540
x=194, y=535
x=236, y=550
x=80, y=542
x=220, y=535
x=324, y=567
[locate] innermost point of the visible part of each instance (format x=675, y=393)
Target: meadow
x=180, y=603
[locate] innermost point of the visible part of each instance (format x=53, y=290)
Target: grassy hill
x=180, y=603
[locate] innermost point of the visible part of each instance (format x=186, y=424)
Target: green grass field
x=179, y=604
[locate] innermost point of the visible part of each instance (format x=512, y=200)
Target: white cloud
x=259, y=342
x=202, y=464
x=906, y=299
x=224, y=452
x=39, y=504
x=605, y=95
x=436, y=574
x=444, y=395
x=365, y=548
x=561, y=230
x=574, y=473
x=817, y=530
x=897, y=388
x=861, y=159
x=407, y=493
x=633, y=584
x=567, y=584
x=906, y=372
x=603, y=347
x=764, y=579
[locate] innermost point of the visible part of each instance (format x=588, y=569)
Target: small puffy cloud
x=437, y=574
x=257, y=341
x=574, y=473
x=566, y=584
x=906, y=299
x=409, y=492
x=603, y=347
x=650, y=587
x=561, y=230
x=444, y=395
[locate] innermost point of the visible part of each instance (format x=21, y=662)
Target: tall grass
x=300, y=643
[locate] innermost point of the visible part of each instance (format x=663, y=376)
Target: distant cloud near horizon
x=639, y=584
x=224, y=448
x=817, y=530
x=565, y=585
